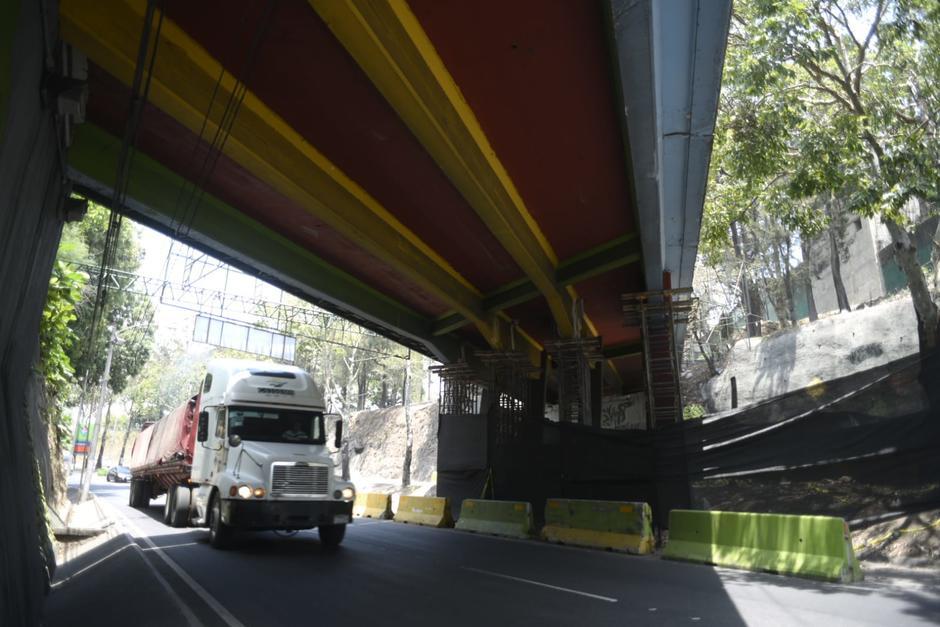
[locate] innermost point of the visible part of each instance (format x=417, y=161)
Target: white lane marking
x=180, y=604
x=210, y=600
x=62, y=582
x=544, y=585
x=172, y=546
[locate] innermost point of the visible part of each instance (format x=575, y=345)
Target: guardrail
x=502, y=518
x=818, y=547
x=614, y=525
x=373, y=505
x=432, y=511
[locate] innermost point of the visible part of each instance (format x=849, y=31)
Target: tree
x=169, y=378
x=834, y=101
x=56, y=337
x=122, y=309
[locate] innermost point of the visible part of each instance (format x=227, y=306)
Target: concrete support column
x=32, y=191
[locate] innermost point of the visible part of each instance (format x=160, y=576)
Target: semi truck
x=247, y=452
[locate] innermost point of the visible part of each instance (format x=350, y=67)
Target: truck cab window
x=208, y=384
x=276, y=425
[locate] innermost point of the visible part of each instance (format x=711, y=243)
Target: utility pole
x=406, y=399
x=90, y=468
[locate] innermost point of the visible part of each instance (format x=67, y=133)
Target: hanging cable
x=140, y=90
x=224, y=128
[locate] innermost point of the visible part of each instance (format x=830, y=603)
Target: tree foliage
x=170, y=376
x=56, y=337
x=823, y=101
x=122, y=309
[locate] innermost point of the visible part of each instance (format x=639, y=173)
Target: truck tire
x=168, y=505
x=139, y=493
x=182, y=501
x=220, y=534
x=331, y=535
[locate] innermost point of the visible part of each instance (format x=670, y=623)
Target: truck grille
x=289, y=479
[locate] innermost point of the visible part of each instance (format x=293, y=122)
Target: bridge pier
x=33, y=198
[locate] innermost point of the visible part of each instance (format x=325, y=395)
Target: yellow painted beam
x=387, y=41
x=185, y=76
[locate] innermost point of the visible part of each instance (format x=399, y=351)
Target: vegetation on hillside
x=829, y=109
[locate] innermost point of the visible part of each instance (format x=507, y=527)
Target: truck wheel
x=182, y=500
x=331, y=535
x=139, y=493
x=220, y=534
x=168, y=505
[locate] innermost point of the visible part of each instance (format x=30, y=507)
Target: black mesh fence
x=859, y=447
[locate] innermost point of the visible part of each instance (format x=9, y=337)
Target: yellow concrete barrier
x=614, y=525
x=432, y=511
x=373, y=505
x=818, y=547
x=501, y=518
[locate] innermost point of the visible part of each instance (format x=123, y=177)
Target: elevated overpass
x=459, y=176
x=436, y=171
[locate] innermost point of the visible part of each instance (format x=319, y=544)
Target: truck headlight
x=259, y=493
x=244, y=491
x=349, y=494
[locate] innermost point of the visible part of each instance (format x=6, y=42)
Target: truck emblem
x=277, y=384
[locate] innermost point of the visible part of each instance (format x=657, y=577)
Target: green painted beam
x=626, y=349
x=230, y=234
x=447, y=323
x=616, y=253
x=515, y=293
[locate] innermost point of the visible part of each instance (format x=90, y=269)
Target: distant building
x=869, y=271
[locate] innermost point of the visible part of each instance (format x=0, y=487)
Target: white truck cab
x=261, y=459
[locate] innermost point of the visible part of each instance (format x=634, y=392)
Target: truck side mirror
x=202, y=431
x=338, y=434
x=234, y=440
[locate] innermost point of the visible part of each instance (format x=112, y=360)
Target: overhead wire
x=140, y=90
x=224, y=128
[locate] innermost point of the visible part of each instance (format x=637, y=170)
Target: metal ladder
x=657, y=314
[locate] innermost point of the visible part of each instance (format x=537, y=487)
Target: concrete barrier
x=501, y=518
x=432, y=511
x=614, y=525
x=818, y=547
x=373, y=505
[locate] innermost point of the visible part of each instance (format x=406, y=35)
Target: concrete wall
x=832, y=347
x=32, y=188
x=861, y=271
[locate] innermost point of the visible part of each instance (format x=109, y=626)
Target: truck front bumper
x=249, y=514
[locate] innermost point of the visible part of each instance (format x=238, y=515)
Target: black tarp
x=861, y=446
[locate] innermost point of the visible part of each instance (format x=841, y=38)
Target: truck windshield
x=276, y=425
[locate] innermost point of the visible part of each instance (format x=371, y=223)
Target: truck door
x=210, y=454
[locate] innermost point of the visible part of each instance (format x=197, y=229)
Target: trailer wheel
x=139, y=493
x=331, y=535
x=182, y=501
x=220, y=534
x=168, y=505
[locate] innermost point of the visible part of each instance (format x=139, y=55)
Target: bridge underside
x=459, y=176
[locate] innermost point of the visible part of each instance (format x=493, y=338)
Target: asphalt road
x=388, y=574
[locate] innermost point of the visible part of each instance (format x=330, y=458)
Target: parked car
x=121, y=474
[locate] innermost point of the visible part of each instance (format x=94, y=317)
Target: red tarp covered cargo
x=170, y=439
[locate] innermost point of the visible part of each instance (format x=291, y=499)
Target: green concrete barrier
x=614, y=525
x=432, y=511
x=817, y=547
x=373, y=505
x=501, y=518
